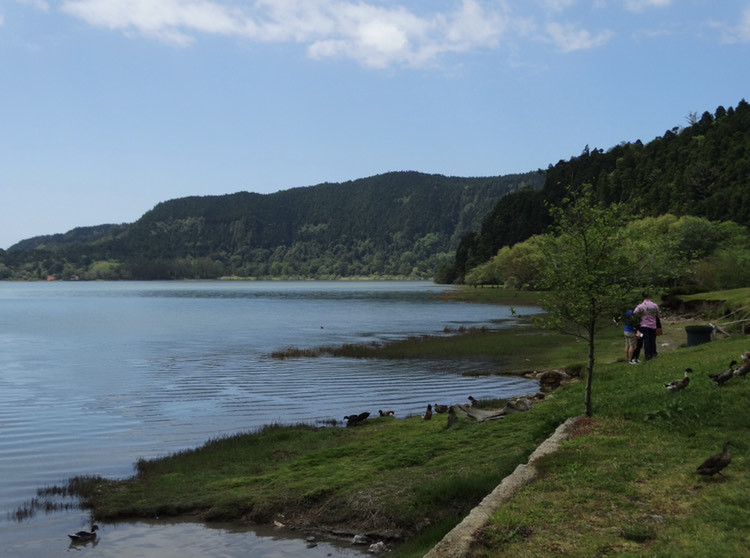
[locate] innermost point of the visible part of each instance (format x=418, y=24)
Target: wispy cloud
x=556, y=5
x=374, y=33
x=568, y=38
x=38, y=4
x=641, y=5
x=739, y=33
x=174, y=21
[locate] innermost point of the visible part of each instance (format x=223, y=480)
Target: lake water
x=94, y=376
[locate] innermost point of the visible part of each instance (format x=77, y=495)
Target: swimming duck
x=440, y=408
x=722, y=377
x=428, y=413
x=84, y=536
x=716, y=463
x=677, y=385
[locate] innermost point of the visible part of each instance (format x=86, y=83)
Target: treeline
x=400, y=224
x=700, y=170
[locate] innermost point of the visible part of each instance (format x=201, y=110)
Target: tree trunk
x=590, y=374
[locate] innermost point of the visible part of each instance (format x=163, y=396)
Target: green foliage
x=401, y=224
x=592, y=269
x=701, y=170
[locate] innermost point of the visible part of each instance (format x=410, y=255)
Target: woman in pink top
x=648, y=312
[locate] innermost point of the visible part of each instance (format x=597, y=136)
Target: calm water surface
x=94, y=376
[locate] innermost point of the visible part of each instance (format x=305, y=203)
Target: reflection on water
x=94, y=376
x=165, y=539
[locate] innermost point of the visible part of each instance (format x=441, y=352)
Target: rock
x=518, y=405
x=552, y=379
x=378, y=548
x=361, y=539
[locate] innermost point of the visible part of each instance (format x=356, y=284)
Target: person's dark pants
x=638, y=347
x=649, y=342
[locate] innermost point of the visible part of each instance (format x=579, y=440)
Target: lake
x=94, y=376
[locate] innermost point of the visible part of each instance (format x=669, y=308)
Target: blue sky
x=110, y=106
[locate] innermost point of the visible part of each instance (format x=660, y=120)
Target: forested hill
x=399, y=224
x=701, y=169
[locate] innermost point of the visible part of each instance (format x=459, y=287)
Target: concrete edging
x=457, y=543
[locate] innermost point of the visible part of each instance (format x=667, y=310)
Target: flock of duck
x=720, y=378
x=717, y=462
x=356, y=420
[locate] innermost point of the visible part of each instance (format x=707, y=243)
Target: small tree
x=593, y=269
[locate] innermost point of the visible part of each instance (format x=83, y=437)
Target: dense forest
x=701, y=169
x=399, y=224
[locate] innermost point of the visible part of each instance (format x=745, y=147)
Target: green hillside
x=400, y=224
x=701, y=169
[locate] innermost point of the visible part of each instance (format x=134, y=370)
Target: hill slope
x=702, y=170
x=400, y=224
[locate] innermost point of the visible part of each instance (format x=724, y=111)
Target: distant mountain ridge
x=397, y=224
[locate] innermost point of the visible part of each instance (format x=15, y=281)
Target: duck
x=354, y=420
x=722, y=377
x=714, y=464
x=677, y=385
x=473, y=401
x=388, y=413
x=440, y=408
x=745, y=366
x=452, y=417
x=84, y=536
x=428, y=413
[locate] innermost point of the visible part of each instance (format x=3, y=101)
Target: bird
x=354, y=420
x=388, y=413
x=428, y=413
x=83, y=536
x=440, y=408
x=473, y=401
x=452, y=417
x=677, y=385
x=745, y=366
x=716, y=463
x=722, y=377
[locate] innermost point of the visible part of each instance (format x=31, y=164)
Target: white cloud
x=569, y=39
x=375, y=33
x=372, y=35
x=42, y=5
x=741, y=32
x=738, y=33
x=641, y=5
x=170, y=20
x=557, y=5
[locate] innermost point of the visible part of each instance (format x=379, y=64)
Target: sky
x=108, y=107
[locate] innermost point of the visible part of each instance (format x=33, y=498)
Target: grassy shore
x=624, y=487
